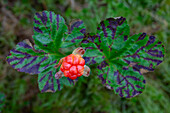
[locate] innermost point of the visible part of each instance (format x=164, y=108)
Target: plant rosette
x=119, y=59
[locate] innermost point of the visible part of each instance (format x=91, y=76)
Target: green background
x=88, y=95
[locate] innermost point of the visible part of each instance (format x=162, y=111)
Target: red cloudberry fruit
x=73, y=66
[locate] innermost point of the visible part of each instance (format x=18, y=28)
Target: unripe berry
x=73, y=66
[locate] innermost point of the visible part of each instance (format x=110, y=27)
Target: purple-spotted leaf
x=122, y=59
x=50, y=34
x=26, y=59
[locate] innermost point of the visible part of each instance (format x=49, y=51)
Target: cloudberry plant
x=119, y=59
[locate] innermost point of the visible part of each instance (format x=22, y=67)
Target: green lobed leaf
x=49, y=29
x=123, y=58
x=50, y=34
x=26, y=59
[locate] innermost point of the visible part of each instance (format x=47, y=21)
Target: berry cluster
x=73, y=66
